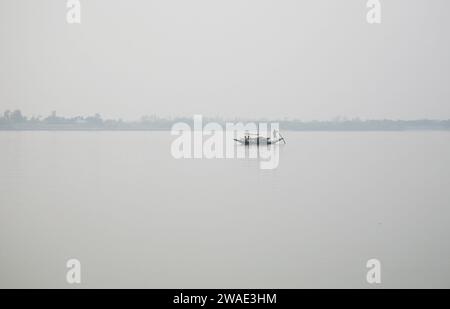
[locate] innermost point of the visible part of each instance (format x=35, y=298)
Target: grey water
x=135, y=217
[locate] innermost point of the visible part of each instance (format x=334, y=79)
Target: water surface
x=136, y=217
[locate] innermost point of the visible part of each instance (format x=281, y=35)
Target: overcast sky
x=314, y=59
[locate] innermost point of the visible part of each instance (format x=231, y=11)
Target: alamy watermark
x=73, y=275
x=235, y=141
x=73, y=15
x=373, y=276
x=374, y=14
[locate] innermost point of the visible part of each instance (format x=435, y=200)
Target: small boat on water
x=256, y=139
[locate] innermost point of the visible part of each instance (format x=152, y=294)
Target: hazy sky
x=313, y=59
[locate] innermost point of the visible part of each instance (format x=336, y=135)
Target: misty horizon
x=15, y=120
x=145, y=117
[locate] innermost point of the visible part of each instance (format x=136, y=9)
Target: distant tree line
x=15, y=120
